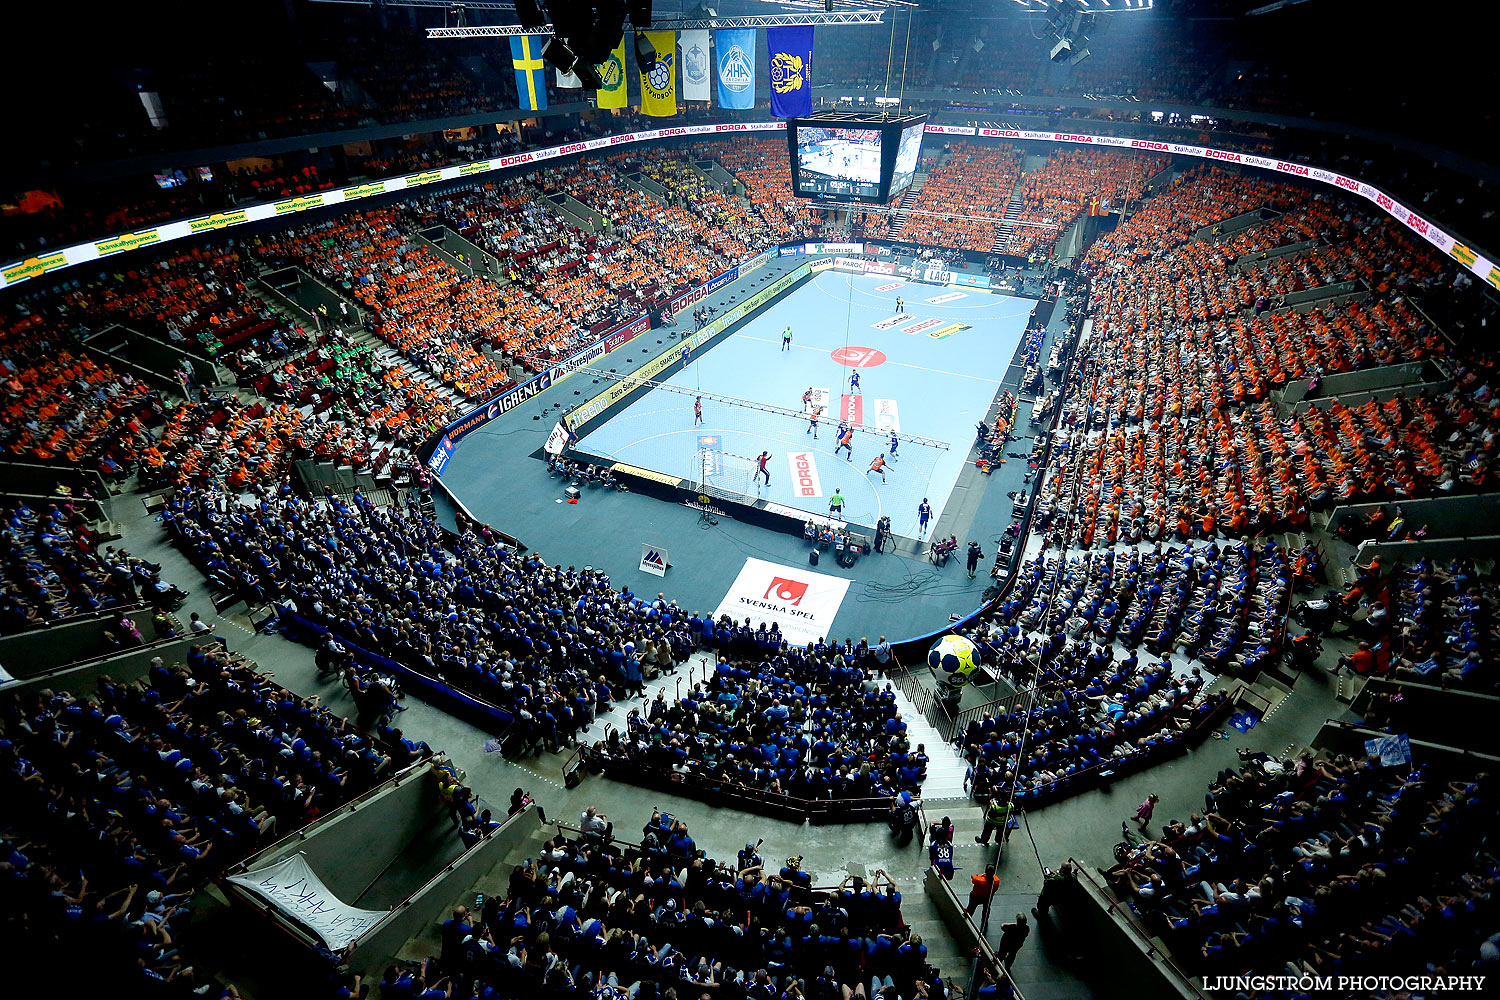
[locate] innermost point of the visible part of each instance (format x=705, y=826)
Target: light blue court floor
x=932, y=375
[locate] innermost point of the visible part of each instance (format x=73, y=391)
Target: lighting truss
x=1096, y=7
x=441, y=4
x=858, y=9
x=754, y=21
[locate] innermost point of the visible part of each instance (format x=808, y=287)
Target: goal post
x=725, y=472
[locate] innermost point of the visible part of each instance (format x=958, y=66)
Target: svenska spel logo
x=735, y=72
x=786, y=73
x=785, y=590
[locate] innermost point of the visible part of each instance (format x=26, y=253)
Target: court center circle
x=858, y=357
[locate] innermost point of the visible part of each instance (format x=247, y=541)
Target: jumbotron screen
x=843, y=157
x=839, y=161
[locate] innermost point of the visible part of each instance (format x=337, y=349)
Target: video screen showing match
x=906, y=159
x=838, y=161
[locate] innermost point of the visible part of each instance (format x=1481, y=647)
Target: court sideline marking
x=897, y=364
x=922, y=286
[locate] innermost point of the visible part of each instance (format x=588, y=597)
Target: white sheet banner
x=802, y=602
x=295, y=889
x=696, y=65
x=568, y=81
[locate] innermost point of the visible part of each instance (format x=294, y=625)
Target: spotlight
x=559, y=55
x=530, y=14
x=645, y=53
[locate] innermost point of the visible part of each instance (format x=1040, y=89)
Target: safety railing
x=718, y=791
x=1147, y=940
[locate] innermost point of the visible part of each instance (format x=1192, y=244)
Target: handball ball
x=954, y=659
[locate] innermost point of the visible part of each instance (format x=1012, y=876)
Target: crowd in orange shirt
x=422, y=305
x=1074, y=181
x=762, y=166
x=967, y=196
x=60, y=404
x=1172, y=426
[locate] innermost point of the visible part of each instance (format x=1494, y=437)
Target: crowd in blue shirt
x=550, y=645
x=1442, y=630
x=1325, y=867
x=610, y=921
x=51, y=567
x=809, y=726
x=121, y=802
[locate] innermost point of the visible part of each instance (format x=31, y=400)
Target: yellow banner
x=129, y=241
x=218, y=220
x=34, y=267
x=364, y=190
x=299, y=204
x=614, y=93
x=659, y=87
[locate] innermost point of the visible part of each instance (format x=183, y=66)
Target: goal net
x=725, y=473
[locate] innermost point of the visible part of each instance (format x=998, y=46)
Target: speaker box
x=812, y=558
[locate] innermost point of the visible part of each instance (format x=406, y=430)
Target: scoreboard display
x=846, y=157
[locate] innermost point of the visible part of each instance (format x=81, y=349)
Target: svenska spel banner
x=789, y=51
x=802, y=602
x=696, y=66
x=614, y=92
x=734, y=59
x=659, y=86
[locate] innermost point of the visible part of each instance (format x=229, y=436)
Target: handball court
x=931, y=373
x=496, y=472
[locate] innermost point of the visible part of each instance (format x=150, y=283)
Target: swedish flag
x=526, y=57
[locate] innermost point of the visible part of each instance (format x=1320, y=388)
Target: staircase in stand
x=1009, y=223
x=945, y=768
x=908, y=201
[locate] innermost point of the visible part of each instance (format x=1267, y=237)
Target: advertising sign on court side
x=885, y=415
x=803, y=603
x=653, y=560
x=557, y=441
x=803, y=467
